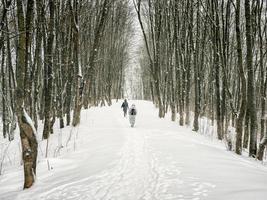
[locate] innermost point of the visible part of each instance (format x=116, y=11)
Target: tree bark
x=48, y=76
x=79, y=83
x=242, y=109
x=27, y=131
x=250, y=86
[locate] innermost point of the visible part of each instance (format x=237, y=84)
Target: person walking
x=125, y=107
x=132, y=115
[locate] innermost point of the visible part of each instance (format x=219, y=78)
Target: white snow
x=156, y=160
x=29, y=120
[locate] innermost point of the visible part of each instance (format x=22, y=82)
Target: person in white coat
x=132, y=115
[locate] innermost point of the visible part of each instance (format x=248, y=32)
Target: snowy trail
x=137, y=175
x=156, y=160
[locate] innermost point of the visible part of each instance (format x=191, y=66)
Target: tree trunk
x=4, y=94
x=242, y=110
x=48, y=76
x=79, y=84
x=196, y=75
x=27, y=131
x=250, y=87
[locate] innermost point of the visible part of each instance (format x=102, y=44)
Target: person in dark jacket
x=125, y=107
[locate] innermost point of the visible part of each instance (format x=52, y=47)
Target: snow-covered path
x=156, y=160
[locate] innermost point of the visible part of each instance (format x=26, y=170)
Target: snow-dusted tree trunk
x=27, y=131
x=4, y=95
x=79, y=84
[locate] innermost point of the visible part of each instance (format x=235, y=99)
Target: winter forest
x=196, y=71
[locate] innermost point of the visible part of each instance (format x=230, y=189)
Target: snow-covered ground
x=156, y=160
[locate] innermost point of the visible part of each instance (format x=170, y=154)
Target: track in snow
x=138, y=175
x=156, y=160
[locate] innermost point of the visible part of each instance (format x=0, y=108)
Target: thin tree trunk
x=242, y=110
x=79, y=83
x=48, y=76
